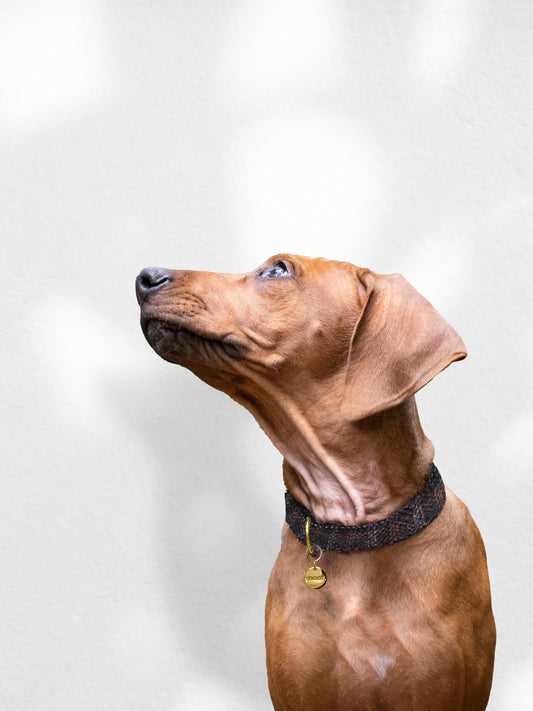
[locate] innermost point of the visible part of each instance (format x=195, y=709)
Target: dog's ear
x=399, y=343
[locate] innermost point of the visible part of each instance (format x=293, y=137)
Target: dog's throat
x=407, y=521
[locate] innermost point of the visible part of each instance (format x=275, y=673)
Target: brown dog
x=328, y=356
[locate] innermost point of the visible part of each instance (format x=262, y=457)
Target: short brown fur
x=328, y=359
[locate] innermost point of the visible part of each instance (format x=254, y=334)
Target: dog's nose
x=150, y=279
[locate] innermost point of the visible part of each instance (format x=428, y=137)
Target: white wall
x=140, y=510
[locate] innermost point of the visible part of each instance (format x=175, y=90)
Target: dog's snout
x=150, y=279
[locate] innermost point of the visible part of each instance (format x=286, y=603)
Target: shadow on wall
x=215, y=527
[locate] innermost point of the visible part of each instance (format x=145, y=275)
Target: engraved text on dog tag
x=315, y=577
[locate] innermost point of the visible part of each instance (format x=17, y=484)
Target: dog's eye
x=278, y=270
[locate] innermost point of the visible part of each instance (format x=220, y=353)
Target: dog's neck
x=348, y=472
x=367, y=470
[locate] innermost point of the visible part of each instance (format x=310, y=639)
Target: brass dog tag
x=315, y=577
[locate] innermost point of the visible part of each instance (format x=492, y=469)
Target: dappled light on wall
x=444, y=37
x=53, y=62
x=301, y=166
x=298, y=178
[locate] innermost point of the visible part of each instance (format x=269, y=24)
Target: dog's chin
x=180, y=345
x=171, y=342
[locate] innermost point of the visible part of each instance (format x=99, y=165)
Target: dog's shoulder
x=457, y=551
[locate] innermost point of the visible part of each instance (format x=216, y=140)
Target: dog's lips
x=154, y=325
x=171, y=336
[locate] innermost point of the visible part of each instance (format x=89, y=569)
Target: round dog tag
x=315, y=577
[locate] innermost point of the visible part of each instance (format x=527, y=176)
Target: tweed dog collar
x=413, y=517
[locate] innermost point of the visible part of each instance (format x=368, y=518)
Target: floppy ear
x=399, y=344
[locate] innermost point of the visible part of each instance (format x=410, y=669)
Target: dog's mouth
x=175, y=342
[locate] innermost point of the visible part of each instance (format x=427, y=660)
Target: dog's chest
x=368, y=632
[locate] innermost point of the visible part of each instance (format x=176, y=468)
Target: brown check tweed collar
x=417, y=513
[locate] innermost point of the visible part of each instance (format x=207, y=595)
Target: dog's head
x=299, y=324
